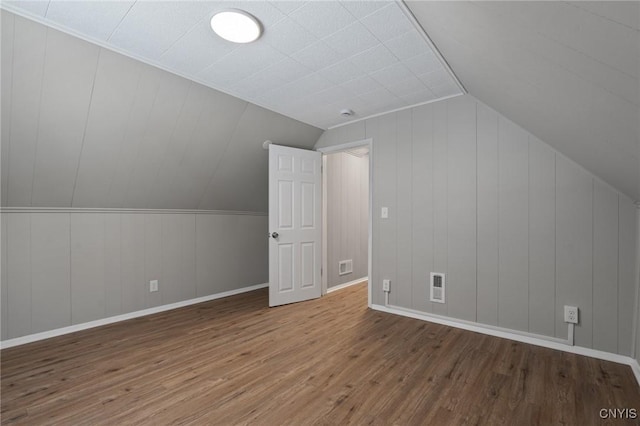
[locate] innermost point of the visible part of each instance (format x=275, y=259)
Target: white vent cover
x=345, y=267
x=436, y=287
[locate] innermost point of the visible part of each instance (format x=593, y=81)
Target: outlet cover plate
x=571, y=314
x=386, y=285
x=153, y=285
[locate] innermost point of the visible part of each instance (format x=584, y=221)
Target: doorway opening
x=346, y=201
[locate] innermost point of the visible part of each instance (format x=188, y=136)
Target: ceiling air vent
x=436, y=287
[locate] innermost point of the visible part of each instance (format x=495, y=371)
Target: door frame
x=332, y=150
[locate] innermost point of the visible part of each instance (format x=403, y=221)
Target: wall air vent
x=436, y=287
x=345, y=267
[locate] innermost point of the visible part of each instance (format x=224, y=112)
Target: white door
x=295, y=219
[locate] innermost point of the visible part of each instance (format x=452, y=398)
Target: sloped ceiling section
x=314, y=59
x=567, y=72
x=83, y=126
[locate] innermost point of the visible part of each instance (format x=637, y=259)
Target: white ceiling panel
x=96, y=19
x=322, y=18
x=307, y=48
x=287, y=36
x=35, y=7
x=423, y=63
x=392, y=74
x=341, y=72
x=407, y=86
x=388, y=22
x=287, y=6
x=362, y=8
x=196, y=50
x=318, y=55
x=373, y=59
x=152, y=27
x=407, y=45
x=363, y=84
x=352, y=40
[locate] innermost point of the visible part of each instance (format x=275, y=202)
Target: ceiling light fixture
x=236, y=26
x=346, y=112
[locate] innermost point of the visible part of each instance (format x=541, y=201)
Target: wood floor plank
x=330, y=361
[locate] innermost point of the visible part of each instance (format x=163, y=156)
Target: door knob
x=274, y=235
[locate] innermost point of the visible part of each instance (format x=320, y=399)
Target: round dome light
x=236, y=26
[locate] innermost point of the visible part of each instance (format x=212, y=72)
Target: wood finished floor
x=329, y=361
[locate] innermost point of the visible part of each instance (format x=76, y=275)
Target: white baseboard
x=345, y=285
x=547, y=342
x=97, y=323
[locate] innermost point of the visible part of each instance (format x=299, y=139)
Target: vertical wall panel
x=334, y=187
x=112, y=265
x=153, y=257
x=164, y=193
x=353, y=198
x=574, y=248
x=218, y=256
x=4, y=282
x=637, y=348
x=63, y=113
x=135, y=129
x=386, y=188
x=134, y=287
x=626, y=273
x=162, y=119
x=605, y=267
x=461, y=219
x=51, y=275
x=344, y=202
x=513, y=210
x=440, y=198
x=178, y=258
x=6, y=76
x=542, y=232
x=28, y=62
x=364, y=215
x=404, y=193
x=372, y=127
x=87, y=266
x=487, y=223
x=422, y=205
x=19, y=275
x=254, y=248
x=114, y=92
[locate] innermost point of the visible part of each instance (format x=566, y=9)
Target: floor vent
x=436, y=287
x=345, y=267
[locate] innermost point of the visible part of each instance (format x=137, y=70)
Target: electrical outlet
x=571, y=314
x=153, y=285
x=386, y=285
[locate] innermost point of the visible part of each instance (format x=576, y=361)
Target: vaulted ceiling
x=90, y=126
x=314, y=59
x=569, y=72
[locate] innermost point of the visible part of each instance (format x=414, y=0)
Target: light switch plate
x=153, y=285
x=384, y=214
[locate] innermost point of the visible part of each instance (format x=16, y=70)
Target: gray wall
x=519, y=229
x=638, y=301
x=83, y=126
x=567, y=72
x=60, y=269
x=347, y=215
